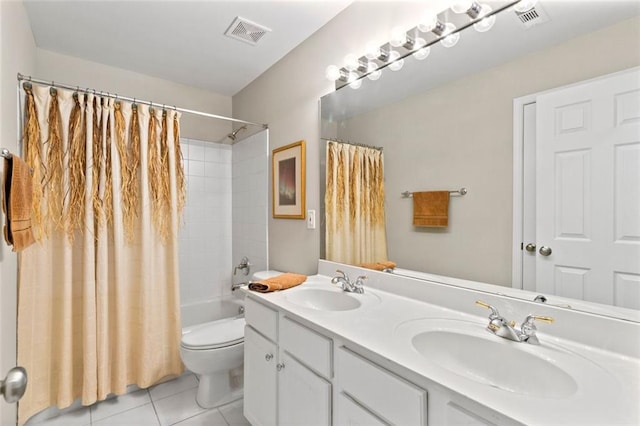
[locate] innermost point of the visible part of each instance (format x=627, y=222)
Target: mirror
x=448, y=122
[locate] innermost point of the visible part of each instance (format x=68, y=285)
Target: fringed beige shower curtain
x=98, y=304
x=354, y=203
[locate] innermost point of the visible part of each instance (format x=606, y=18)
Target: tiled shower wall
x=250, y=202
x=205, y=237
x=226, y=214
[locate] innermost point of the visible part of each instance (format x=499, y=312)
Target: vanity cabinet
x=287, y=370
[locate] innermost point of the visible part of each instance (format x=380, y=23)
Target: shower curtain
x=354, y=203
x=98, y=303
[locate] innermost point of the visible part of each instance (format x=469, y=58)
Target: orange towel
x=16, y=203
x=379, y=266
x=431, y=209
x=280, y=282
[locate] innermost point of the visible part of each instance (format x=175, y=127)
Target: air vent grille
x=532, y=17
x=244, y=30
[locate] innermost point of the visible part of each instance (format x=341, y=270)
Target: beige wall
x=75, y=71
x=287, y=98
x=460, y=135
x=18, y=55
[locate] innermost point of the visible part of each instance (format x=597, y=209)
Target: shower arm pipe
x=51, y=83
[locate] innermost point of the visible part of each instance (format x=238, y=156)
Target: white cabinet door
x=260, y=377
x=303, y=397
x=588, y=191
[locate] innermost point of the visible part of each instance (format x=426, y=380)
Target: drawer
x=352, y=414
x=261, y=318
x=311, y=348
x=391, y=398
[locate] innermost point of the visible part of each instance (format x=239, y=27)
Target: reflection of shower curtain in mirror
x=354, y=203
x=98, y=305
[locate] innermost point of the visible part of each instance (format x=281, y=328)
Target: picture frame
x=288, y=185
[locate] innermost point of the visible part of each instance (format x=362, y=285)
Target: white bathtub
x=210, y=310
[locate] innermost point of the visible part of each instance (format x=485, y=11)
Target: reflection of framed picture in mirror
x=288, y=181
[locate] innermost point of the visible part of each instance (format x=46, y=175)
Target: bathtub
x=202, y=311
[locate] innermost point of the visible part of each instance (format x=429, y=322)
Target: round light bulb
x=450, y=40
x=485, y=24
x=525, y=5
x=373, y=72
x=372, y=50
x=332, y=73
x=352, y=77
x=398, y=37
x=428, y=22
x=395, y=64
x=422, y=53
x=355, y=84
x=461, y=6
x=351, y=62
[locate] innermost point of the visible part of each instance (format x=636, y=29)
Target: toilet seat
x=214, y=335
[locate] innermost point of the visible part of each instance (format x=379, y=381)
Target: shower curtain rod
x=52, y=83
x=379, y=148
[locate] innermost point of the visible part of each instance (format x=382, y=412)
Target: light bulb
x=525, y=5
x=373, y=72
x=428, y=22
x=461, y=6
x=451, y=39
x=398, y=37
x=351, y=62
x=394, y=62
x=351, y=77
x=485, y=24
x=355, y=84
x=332, y=73
x=422, y=53
x=372, y=50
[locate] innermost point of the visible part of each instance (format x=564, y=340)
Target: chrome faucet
x=346, y=284
x=236, y=286
x=508, y=329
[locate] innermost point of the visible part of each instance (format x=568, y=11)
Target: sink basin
x=467, y=349
x=324, y=300
x=496, y=363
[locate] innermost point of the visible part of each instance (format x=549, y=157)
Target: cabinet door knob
x=280, y=367
x=268, y=357
x=545, y=251
x=531, y=248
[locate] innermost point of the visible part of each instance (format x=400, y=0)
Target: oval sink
x=497, y=363
x=324, y=300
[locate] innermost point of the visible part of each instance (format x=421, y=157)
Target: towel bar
x=461, y=191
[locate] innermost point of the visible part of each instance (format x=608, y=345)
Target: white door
x=304, y=398
x=588, y=191
x=259, y=378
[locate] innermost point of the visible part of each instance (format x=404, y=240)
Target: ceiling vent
x=532, y=17
x=244, y=30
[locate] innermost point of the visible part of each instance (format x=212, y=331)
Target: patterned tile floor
x=169, y=403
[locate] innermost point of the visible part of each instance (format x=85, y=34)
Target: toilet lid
x=214, y=334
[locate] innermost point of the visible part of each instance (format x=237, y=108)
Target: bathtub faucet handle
x=244, y=266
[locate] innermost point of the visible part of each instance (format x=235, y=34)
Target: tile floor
x=169, y=403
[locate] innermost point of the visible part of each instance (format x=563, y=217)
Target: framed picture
x=288, y=181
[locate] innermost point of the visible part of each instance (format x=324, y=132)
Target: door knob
x=14, y=385
x=545, y=251
x=530, y=247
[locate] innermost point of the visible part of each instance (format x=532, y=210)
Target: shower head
x=233, y=135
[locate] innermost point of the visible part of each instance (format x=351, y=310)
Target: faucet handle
x=528, y=321
x=338, y=271
x=494, y=312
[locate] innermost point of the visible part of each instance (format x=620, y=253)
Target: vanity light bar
x=445, y=29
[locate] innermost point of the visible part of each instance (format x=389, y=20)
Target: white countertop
x=610, y=394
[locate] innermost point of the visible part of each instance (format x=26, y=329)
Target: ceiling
x=180, y=41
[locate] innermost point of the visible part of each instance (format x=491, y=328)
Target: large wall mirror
x=450, y=121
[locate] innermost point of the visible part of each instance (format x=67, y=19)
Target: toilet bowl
x=212, y=350
x=215, y=352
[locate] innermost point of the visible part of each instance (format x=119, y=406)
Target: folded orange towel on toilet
x=379, y=266
x=280, y=282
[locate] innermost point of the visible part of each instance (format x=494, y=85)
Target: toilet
x=214, y=351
